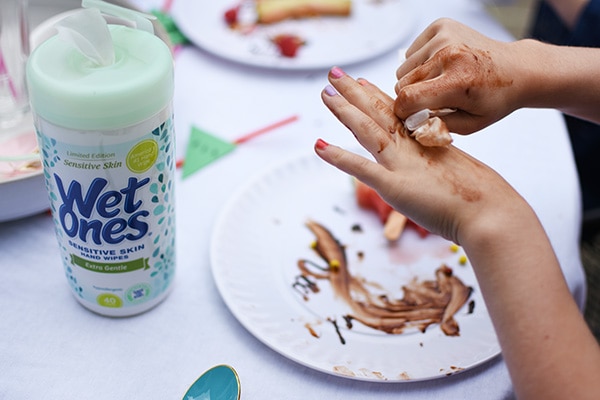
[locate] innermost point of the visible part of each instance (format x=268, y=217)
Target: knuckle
x=367, y=125
x=440, y=23
x=453, y=52
x=405, y=97
x=379, y=105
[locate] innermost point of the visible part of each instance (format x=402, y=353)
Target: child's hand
x=441, y=188
x=452, y=66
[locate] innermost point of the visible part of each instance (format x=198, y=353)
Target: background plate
x=258, y=240
x=373, y=29
x=22, y=190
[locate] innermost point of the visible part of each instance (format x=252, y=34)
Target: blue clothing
x=585, y=136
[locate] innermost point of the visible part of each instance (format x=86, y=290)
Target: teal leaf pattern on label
x=159, y=258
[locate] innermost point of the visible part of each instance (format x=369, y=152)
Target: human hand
x=452, y=194
x=441, y=188
x=450, y=65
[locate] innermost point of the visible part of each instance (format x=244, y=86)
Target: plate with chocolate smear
x=299, y=34
x=302, y=261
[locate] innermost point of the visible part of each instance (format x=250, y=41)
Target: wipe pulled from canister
x=428, y=128
x=88, y=32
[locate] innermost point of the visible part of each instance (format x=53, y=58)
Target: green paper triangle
x=171, y=28
x=203, y=148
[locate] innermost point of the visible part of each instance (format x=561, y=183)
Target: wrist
x=561, y=77
x=500, y=230
x=532, y=67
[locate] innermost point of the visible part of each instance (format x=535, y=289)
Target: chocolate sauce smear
x=423, y=303
x=337, y=330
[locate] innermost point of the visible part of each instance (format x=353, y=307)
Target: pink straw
x=167, y=6
x=4, y=71
x=179, y=163
x=266, y=129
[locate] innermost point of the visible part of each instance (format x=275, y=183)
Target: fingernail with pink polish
x=337, y=72
x=330, y=90
x=321, y=144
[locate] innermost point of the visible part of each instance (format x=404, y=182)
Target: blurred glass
x=14, y=50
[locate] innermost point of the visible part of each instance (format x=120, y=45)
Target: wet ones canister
x=102, y=106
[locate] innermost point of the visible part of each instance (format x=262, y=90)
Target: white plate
x=373, y=28
x=258, y=240
x=22, y=190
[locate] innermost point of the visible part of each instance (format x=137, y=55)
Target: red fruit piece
x=420, y=230
x=288, y=44
x=231, y=15
x=369, y=199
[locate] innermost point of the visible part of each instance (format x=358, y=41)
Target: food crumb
x=334, y=264
x=339, y=210
x=454, y=247
x=311, y=330
x=462, y=260
x=356, y=228
x=471, y=307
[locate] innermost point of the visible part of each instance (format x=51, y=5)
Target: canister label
x=112, y=201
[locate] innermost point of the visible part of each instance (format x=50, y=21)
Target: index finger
x=422, y=48
x=368, y=99
x=366, y=112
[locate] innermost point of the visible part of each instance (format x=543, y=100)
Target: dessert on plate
x=270, y=11
x=246, y=15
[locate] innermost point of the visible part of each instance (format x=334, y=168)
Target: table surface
x=53, y=348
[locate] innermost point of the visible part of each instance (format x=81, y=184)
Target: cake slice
x=270, y=11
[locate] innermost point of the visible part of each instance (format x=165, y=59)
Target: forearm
x=546, y=344
x=451, y=66
x=564, y=78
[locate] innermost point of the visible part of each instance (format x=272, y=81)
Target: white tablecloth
x=53, y=348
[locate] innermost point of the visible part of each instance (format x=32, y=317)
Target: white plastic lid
x=69, y=89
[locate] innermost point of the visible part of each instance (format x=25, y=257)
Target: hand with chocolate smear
x=450, y=65
x=440, y=188
x=450, y=193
